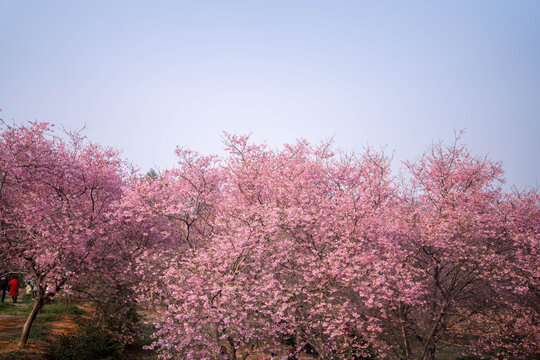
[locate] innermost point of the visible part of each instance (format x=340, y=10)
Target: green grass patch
x=11, y=309
x=44, y=318
x=4, y=306
x=60, y=308
x=11, y=336
x=40, y=332
x=56, y=308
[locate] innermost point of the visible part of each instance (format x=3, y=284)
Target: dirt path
x=43, y=331
x=54, y=320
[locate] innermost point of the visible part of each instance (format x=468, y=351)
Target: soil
x=10, y=331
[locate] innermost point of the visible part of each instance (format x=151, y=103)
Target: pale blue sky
x=145, y=76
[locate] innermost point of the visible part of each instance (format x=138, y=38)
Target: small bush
x=90, y=342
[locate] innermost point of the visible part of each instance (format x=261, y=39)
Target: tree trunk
x=38, y=305
x=404, y=335
x=427, y=342
x=248, y=351
x=232, y=354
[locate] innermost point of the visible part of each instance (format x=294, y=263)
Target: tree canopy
x=302, y=246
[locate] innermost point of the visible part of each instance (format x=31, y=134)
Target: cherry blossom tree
x=272, y=268
x=54, y=201
x=472, y=252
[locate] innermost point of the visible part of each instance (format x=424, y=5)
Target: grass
x=54, y=333
x=11, y=309
x=39, y=332
x=41, y=329
x=44, y=318
x=53, y=308
x=62, y=308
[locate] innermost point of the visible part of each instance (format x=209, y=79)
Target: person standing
x=14, y=289
x=3, y=286
x=34, y=289
x=28, y=290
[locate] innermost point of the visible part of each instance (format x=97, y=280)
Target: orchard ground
x=58, y=319
x=12, y=318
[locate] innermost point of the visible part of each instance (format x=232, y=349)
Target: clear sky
x=146, y=76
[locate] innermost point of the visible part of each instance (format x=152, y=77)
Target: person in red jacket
x=14, y=289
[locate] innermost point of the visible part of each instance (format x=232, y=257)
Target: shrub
x=90, y=342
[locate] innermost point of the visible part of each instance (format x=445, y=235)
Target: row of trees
x=326, y=252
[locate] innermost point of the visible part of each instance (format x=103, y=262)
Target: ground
x=53, y=320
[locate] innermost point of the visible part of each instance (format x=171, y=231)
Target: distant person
x=31, y=289
x=34, y=289
x=3, y=286
x=28, y=290
x=14, y=289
